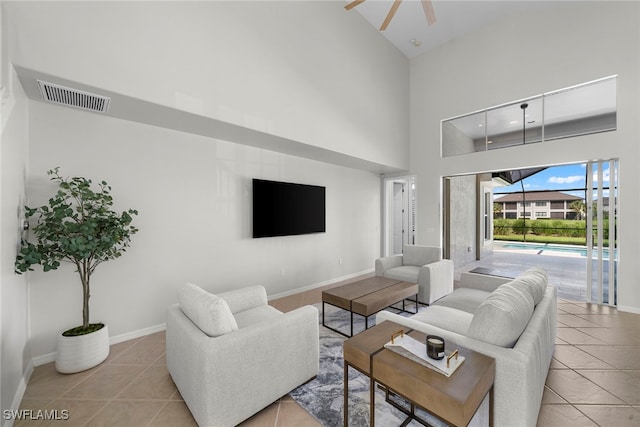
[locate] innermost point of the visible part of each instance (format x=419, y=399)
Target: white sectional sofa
x=231, y=354
x=512, y=320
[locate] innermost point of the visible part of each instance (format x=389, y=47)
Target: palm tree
x=497, y=210
x=579, y=207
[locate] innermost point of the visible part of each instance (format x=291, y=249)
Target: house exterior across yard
x=537, y=205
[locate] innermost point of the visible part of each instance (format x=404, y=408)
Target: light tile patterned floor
x=594, y=379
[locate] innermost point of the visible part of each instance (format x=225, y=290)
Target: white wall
x=194, y=198
x=522, y=56
x=303, y=70
x=15, y=352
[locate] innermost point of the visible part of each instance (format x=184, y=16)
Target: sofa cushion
x=260, y=314
x=245, y=298
x=419, y=255
x=502, y=317
x=208, y=312
x=533, y=281
x=406, y=273
x=446, y=318
x=465, y=299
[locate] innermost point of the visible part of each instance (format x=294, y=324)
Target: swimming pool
x=544, y=247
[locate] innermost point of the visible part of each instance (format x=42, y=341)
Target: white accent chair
x=422, y=265
x=232, y=355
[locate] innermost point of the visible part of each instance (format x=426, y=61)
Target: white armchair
x=422, y=265
x=232, y=355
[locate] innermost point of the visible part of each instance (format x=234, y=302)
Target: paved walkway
x=567, y=273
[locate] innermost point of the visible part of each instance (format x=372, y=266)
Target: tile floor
x=594, y=379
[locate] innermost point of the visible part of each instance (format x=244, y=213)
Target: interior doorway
x=399, y=221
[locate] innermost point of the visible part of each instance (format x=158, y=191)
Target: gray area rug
x=323, y=397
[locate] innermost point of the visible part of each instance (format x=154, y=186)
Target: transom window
x=553, y=115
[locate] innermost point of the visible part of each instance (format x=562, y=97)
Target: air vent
x=62, y=95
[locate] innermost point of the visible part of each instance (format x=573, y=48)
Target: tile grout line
x=275, y=423
x=157, y=415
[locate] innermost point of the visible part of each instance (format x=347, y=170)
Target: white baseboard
x=116, y=339
x=44, y=358
x=634, y=310
x=17, y=398
x=318, y=285
x=137, y=334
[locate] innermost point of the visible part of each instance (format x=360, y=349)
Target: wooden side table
x=455, y=399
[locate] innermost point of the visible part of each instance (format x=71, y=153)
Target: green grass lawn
x=542, y=239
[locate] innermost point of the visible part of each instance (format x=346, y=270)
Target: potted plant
x=78, y=226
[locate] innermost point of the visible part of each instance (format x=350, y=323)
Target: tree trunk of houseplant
x=78, y=349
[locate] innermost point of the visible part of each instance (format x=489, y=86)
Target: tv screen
x=285, y=209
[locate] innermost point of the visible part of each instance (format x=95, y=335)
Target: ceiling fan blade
x=353, y=4
x=392, y=11
x=428, y=11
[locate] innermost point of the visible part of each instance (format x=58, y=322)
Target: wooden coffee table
x=367, y=297
x=453, y=399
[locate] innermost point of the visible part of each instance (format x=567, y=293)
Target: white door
x=398, y=217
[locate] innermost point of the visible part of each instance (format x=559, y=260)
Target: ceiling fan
x=426, y=5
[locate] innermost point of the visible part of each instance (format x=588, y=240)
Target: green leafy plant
x=78, y=226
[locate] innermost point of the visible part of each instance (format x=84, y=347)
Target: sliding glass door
x=601, y=197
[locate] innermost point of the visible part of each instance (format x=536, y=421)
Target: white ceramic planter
x=80, y=353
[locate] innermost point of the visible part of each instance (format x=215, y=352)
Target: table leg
x=346, y=394
x=491, y=407
x=351, y=323
x=372, y=401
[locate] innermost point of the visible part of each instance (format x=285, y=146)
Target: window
x=541, y=214
x=527, y=204
x=550, y=116
x=512, y=206
x=510, y=215
x=557, y=205
x=541, y=204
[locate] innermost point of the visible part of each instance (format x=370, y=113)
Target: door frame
x=410, y=211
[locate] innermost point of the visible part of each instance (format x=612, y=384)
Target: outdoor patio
x=566, y=271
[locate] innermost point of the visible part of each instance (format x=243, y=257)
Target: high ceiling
x=410, y=32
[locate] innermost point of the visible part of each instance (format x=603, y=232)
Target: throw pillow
x=207, y=311
x=502, y=317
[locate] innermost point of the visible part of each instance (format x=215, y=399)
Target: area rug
x=323, y=397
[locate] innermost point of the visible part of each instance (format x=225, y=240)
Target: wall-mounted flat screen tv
x=285, y=208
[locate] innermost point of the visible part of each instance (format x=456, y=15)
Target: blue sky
x=556, y=178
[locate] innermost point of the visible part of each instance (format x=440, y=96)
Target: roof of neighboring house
x=538, y=196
